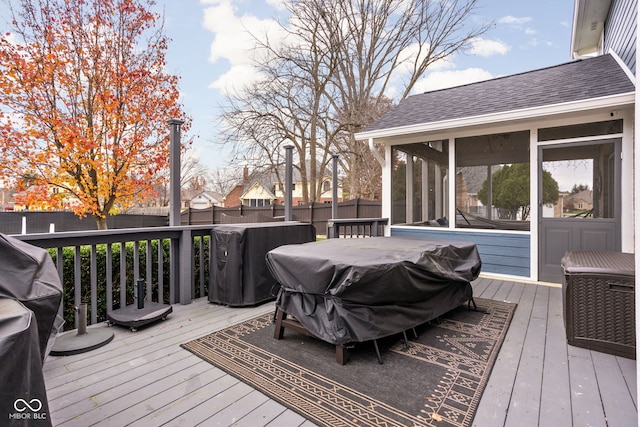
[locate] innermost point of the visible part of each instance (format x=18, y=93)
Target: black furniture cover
x=27, y=274
x=355, y=290
x=23, y=396
x=239, y=274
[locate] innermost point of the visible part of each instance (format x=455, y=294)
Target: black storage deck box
x=599, y=301
x=239, y=274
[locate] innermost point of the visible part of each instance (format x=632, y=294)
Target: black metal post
x=174, y=170
x=288, y=184
x=82, y=316
x=140, y=293
x=334, y=187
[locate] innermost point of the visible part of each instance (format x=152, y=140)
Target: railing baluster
x=174, y=274
x=60, y=268
x=108, y=261
x=201, y=260
x=94, y=284
x=77, y=281
x=184, y=263
x=161, y=269
x=136, y=263
x=123, y=274
x=149, y=278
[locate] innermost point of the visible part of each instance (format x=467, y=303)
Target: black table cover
x=354, y=290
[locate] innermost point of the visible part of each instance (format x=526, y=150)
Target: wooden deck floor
x=145, y=378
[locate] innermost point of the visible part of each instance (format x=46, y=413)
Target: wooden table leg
x=279, y=330
x=342, y=355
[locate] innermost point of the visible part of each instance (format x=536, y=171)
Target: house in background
x=205, y=199
x=582, y=201
x=6, y=198
x=232, y=198
x=267, y=190
x=575, y=120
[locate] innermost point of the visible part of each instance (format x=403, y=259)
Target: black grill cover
x=27, y=274
x=239, y=274
x=23, y=396
x=354, y=290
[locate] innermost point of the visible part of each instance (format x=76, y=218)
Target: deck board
x=529, y=373
x=555, y=400
x=496, y=399
x=503, y=291
x=288, y=418
x=617, y=396
x=179, y=410
x=145, y=378
x=586, y=403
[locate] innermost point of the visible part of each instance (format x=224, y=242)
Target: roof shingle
x=596, y=77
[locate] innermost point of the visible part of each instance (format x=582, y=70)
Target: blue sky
x=208, y=51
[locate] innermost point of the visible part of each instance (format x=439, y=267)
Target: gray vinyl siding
x=503, y=253
x=620, y=31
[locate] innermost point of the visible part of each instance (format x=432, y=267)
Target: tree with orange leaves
x=84, y=104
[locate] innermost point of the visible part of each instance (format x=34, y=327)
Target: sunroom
x=527, y=166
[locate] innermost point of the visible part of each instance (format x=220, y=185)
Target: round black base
x=134, y=317
x=70, y=343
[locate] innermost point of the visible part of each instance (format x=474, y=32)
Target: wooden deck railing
x=356, y=227
x=184, y=243
x=106, y=280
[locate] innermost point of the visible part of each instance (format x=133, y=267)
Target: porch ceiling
x=587, y=84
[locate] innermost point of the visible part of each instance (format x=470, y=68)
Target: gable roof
x=208, y=195
x=581, y=80
x=258, y=187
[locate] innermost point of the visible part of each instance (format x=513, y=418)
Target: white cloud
x=235, y=79
x=413, y=53
x=277, y=4
x=234, y=41
x=537, y=42
x=530, y=31
x=486, y=48
x=512, y=20
x=445, y=79
x=442, y=64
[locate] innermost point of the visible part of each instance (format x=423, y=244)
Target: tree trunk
x=101, y=222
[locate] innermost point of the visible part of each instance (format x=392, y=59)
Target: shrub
x=117, y=281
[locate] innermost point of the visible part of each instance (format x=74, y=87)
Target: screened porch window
x=493, y=181
x=419, y=183
x=586, y=176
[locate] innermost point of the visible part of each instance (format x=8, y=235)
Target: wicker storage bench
x=599, y=301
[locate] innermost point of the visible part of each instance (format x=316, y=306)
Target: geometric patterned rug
x=437, y=380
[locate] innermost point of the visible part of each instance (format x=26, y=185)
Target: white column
x=425, y=190
x=534, y=212
x=409, y=189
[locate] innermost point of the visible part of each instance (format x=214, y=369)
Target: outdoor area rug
x=436, y=381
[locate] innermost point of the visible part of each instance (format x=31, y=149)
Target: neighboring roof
x=474, y=176
x=586, y=79
x=258, y=187
x=584, y=195
x=209, y=195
